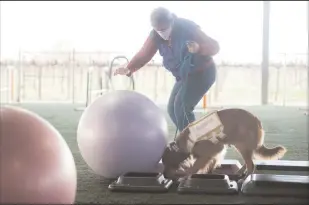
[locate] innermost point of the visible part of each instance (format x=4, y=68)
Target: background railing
x=62, y=77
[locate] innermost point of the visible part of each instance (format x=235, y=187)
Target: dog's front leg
x=243, y=170
x=199, y=164
x=211, y=167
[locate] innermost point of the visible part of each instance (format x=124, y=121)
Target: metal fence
x=62, y=77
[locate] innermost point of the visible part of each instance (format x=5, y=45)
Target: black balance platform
x=282, y=165
x=207, y=184
x=229, y=167
x=276, y=185
x=141, y=182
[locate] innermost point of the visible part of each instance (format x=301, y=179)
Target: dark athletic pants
x=187, y=93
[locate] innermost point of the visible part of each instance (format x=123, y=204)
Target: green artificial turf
x=283, y=125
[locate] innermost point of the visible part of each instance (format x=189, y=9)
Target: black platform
x=276, y=185
x=207, y=184
x=282, y=165
x=223, y=180
x=141, y=182
x=229, y=168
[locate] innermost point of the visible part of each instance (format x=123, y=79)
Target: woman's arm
x=208, y=46
x=145, y=54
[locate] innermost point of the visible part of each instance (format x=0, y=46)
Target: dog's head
x=172, y=159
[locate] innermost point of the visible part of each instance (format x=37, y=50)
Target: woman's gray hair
x=160, y=16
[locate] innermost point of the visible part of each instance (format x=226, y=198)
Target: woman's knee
x=171, y=101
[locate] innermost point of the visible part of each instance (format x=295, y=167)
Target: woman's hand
x=193, y=47
x=122, y=71
x=208, y=46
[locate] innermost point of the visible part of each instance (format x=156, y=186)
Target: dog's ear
x=165, y=155
x=172, y=157
x=173, y=147
x=169, y=153
x=184, y=134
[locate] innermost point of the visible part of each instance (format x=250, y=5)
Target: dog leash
x=184, y=72
x=186, y=117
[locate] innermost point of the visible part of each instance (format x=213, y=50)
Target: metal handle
x=112, y=63
x=111, y=70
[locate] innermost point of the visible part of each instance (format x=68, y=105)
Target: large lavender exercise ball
x=122, y=131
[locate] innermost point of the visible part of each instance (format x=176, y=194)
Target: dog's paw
x=181, y=179
x=181, y=172
x=243, y=175
x=241, y=181
x=242, y=172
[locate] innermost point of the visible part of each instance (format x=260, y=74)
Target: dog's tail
x=263, y=152
x=270, y=153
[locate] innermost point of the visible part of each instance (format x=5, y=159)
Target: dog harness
x=209, y=127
